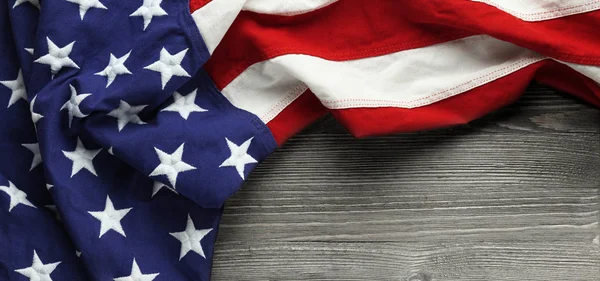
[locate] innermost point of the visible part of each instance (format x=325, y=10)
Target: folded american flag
x=120, y=139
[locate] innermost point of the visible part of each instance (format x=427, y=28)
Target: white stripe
x=214, y=19
x=406, y=79
x=264, y=89
x=536, y=10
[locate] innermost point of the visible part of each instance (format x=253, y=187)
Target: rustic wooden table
x=513, y=196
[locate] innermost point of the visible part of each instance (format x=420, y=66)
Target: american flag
x=127, y=124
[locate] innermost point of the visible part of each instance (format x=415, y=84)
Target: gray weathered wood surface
x=513, y=196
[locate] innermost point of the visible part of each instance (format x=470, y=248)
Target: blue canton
x=117, y=152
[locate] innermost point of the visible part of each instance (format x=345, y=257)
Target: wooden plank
x=386, y=212
x=532, y=261
x=512, y=196
x=431, y=159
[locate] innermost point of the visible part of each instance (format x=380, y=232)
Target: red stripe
x=567, y=79
x=572, y=38
x=197, y=4
x=344, y=30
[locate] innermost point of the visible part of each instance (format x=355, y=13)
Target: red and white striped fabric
x=393, y=66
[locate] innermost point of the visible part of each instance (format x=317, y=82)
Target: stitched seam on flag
x=345, y=103
x=501, y=72
x=282, y=104
x=589, y=60
x=540, y=13
x=295, y=13
x=546, y=14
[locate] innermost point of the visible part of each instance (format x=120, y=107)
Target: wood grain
x=512, y=196
x=534, y=260
x=543, y=110
x=418, y=213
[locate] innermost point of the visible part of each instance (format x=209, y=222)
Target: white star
x=171, y=164
x=126, y=113
x=149, y=9
x=190, y=239
x=72, y=105
x=110, y=218
x=17, y=87
x=35, y=149
x=239, y=156
x=29, y=50
x=35, y=3
x=77, y=253
x=110, y=150
x=82, y=158
x=116, y=66
x=57, y=58
x=158, y=186
x=16, y=196
x=137, y=275
x=34, y=116
x=184, y=104
x=38, y=271
x=49, y=186
x=169, y=65
x=85, y=5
